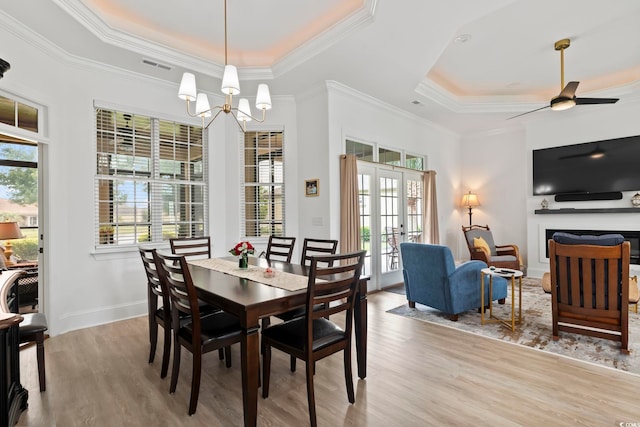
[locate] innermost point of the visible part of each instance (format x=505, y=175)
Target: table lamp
x=470, y=201
x=8, y=231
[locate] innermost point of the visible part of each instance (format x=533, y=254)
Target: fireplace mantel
x=585, y=211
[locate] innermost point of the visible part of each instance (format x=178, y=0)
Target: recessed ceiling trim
x=492, y=104
x=87, y=18
x=326, y=39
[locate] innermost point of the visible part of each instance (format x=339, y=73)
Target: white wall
x=494, y=167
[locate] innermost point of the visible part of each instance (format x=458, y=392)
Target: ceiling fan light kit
x=230, y=87
x=567, y=97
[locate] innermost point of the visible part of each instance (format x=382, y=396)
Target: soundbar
x=581, y=197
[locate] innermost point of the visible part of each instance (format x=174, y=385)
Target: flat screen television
x=593, y=167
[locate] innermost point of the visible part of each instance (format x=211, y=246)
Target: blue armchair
x=432, y=278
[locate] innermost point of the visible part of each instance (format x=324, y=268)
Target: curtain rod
x=390, y=166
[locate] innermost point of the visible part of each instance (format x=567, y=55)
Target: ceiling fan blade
x=532, y=111
x=586, y=101
x=569, y=90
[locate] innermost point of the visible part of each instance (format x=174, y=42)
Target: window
x=414, y=162
x=263, y=184
x=14, y=113
x=150, y=181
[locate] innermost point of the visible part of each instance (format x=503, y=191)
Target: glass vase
x=243, y=262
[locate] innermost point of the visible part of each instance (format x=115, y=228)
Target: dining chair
x=157, y=315
x=313, y=336
x=161, y=314
x=191, y=247
x=311, y=247
x=33, y=325
x=280, y=248
x=202, y=334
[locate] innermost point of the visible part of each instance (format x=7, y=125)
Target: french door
x=391, y=209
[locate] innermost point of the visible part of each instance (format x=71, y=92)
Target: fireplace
x=633, y=237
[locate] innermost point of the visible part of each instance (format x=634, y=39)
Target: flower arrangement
x=242, y=249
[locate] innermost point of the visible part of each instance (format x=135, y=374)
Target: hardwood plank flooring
x=418, y=375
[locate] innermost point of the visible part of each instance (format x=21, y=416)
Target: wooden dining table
x=250, y=301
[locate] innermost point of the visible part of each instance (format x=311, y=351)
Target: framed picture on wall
x=312, y=187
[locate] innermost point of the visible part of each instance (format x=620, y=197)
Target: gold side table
x=507, y=274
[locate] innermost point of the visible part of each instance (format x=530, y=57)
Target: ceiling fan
x=567, y=97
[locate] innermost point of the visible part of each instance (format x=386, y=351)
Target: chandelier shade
x=230, y=86
x=187, y=89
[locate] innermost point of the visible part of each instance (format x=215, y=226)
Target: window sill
x=106, y=253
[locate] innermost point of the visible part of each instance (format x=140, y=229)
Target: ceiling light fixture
x=230, y=86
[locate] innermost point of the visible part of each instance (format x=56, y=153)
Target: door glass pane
x=364, y=197
x=413, y=226
x=389, y=196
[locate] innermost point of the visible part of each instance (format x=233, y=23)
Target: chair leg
x=176, y=364
x=412, y=304
x=165, y=353
x=348, y=374
x=227, y=355
x=195, y=381
x=153, y=337
x=221, y=353
x=40, y=356
x=266, y=370
x=310, y=393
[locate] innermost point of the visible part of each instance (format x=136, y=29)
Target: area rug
x=535, y=330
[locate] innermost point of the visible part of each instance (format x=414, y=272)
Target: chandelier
x=230, y=87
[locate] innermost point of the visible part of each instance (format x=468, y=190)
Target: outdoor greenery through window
x=19, y=194
x=263, y=196
x=150, y=182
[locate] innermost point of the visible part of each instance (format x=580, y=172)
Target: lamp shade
x=10, y=230
x=230, y=82
x=244, y=110
x=202, y=105
x=470, y=200
x=263, y=98
x=187, y=89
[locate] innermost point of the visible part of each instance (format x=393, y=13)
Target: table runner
x=282, y=280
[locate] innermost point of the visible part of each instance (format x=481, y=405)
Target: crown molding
x=327, y=38
x=324, y=40
x=502, y=104
x=368, y=99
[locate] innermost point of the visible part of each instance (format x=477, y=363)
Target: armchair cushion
x=586, y=239
x=479, y=242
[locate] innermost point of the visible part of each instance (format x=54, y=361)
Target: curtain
x=349, y=204
x=430, y=217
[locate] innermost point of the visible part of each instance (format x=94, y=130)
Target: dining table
x=252, y=299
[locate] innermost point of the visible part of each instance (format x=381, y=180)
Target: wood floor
x=418, y=375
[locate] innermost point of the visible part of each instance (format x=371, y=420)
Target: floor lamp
x=470, y=201
x=8, y=231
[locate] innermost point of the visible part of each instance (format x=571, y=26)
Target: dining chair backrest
x=313, y=247
x=280, y=248
x=174, y=272
x=332, y=289
x=154, y=285
x=191, y=247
